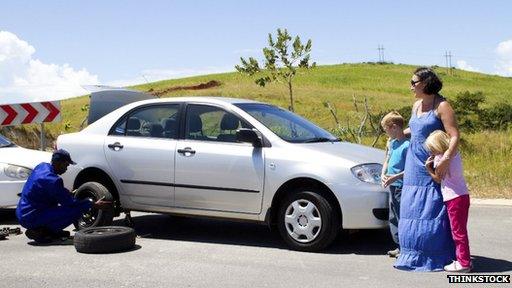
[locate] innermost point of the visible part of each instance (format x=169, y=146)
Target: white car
x=232, y=159
x=16, y=164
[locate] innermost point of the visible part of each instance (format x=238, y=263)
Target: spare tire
x=106, y=239
x=94, y=217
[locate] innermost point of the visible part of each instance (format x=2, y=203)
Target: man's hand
x=102, y=204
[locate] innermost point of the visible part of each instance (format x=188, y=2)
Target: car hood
x=356, y=153
x=23, y=157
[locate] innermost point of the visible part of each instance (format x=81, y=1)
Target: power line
x=469, y=56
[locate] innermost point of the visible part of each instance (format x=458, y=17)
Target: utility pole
x=448, y=55
x=450, y=59
x=381, y=53
x=43, y=137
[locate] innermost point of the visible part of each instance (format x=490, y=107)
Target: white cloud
x=26, y=79
x=152, y=75
x=463, y=65
x=504, y=61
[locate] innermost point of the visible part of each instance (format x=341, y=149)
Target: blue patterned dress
x=424, y=229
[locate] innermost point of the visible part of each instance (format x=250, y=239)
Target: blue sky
x=116, y=42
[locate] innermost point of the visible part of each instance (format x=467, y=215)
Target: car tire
x=307, y=221
x=94, y=217
x=106, y=239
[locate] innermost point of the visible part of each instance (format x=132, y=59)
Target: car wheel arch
x=291, y=186
x=97, y=175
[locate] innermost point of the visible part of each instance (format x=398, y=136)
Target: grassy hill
x=385, y=86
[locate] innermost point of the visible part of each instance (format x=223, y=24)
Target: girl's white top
x=453, y=185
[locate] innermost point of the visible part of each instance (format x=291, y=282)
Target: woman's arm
x=447, y=116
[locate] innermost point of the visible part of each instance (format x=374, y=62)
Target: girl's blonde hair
x=437, y=142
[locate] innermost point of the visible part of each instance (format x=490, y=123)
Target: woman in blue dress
x=424, y=229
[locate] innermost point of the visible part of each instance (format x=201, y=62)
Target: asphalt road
x=181, y=252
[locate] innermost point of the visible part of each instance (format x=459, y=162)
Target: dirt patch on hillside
x=201, y=86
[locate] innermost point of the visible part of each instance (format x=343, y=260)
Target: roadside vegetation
x=486, y=130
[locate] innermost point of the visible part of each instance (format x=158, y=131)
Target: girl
x=455, y=197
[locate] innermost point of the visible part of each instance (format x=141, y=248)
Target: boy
x=392, y=170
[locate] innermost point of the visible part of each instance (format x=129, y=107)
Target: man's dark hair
x=432, y=83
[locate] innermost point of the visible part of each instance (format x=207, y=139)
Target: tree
x=280, y=64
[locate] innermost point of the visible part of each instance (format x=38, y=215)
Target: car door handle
x=115, y=146
x=186, y=151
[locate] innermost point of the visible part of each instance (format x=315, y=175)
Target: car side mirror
x=249, y=136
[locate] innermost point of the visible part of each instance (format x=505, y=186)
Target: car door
x=214, y=171
x=140, y=151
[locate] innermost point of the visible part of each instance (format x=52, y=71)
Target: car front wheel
x=307, y=221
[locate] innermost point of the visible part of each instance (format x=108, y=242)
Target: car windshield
x=287, y=125
x=4, y=142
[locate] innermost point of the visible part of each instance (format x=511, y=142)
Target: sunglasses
x=413, y=83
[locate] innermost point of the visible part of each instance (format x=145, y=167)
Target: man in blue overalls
x=46, y=207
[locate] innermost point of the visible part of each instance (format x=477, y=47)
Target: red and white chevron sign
x=28, y=113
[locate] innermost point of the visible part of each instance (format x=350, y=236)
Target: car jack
x=128, y=220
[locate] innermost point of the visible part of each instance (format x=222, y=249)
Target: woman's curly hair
x=432, y=82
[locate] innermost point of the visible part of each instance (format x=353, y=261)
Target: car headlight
x=17, y=172
x=369, y=173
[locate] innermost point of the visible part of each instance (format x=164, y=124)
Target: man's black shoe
x=40, y=235
x=60, y=234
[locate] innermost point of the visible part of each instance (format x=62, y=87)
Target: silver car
x=16, y=164
x=231, y=159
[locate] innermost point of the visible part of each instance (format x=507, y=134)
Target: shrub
x=498, y=117
x=467, y=109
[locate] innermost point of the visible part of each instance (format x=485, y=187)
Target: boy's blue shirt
x=397, y=151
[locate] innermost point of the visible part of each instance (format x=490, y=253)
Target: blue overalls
x=46, y=203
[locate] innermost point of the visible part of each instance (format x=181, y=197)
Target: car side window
x=210, y=123
x=154, y=121
x=120, y=129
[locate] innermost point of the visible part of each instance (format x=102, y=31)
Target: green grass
x=487, y=167
x=486, y=157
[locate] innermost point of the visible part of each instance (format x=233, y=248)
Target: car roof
x=208, y=99
x=104, y=100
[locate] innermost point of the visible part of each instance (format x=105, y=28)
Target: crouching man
x=46, y=207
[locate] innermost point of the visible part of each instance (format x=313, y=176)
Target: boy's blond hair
x=437, y=142
x=391, y=118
